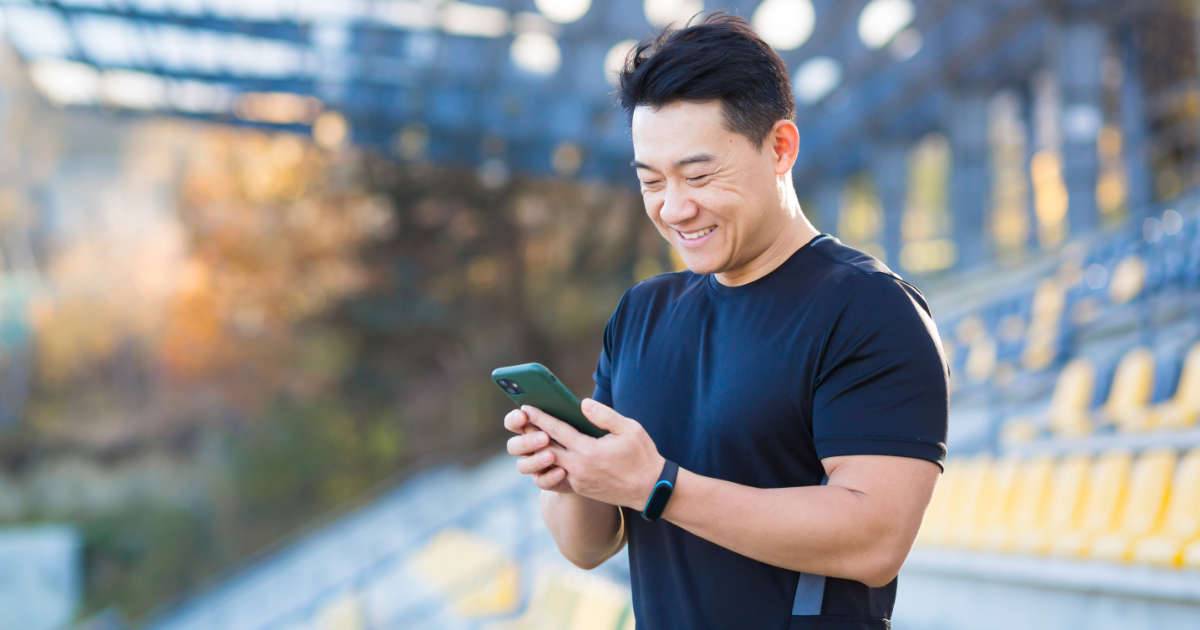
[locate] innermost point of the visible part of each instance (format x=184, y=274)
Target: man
x=793, y=387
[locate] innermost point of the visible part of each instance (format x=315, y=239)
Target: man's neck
x=797, y=234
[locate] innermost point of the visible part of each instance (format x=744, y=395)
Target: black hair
x=718, y=58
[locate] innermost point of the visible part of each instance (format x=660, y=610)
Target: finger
x=560, y=431
x=550, y=478
x=536, y=463
x=562, y=456
x=516, y=421
x=604, y=416
x=527, y=443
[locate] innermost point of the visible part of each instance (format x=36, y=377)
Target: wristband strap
x=661, y=492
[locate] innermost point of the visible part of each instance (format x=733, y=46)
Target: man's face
x=710, y=192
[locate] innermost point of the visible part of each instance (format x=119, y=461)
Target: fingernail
x=588, y=403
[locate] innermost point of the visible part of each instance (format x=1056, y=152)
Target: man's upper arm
x=602, y=375
x=880, y=408
x=896, y=489
x=882, y=387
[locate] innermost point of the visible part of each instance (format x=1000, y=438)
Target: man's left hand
x=620, y=468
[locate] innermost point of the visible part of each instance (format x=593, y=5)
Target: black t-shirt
x=829, y=354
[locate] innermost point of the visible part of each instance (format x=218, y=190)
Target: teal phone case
x=540, y=388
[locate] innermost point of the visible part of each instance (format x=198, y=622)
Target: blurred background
x=258, y=258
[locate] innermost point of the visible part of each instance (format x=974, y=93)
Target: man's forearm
x=587, y=532
x=826, y=530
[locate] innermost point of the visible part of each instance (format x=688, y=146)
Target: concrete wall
x=944, y=591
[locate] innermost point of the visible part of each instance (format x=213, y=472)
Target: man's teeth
x=695, y=235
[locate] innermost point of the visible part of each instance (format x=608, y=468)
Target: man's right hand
x=587, y=532
x=534, y=458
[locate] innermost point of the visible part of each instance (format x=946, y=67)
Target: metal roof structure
x=525, y=85
x=494, y=78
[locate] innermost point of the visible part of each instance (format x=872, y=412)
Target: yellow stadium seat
x=1181, y=524
x=1191, y=555
x=1131, y=388
x=1068, y=412
x=996, y=500
x=552, y=604
x=973, y=477
x=573, y=600
x=1019, y=430
x=1107, y=487
x=934, y=524
x=602, y=606
x=473, y=573
x=1042, y=335
x=1182, y=410
x=969, y=329
x=1064, y=506
x=1144, y=507
x=1028, y=508
x=981, y=359
x=1128, y=278
x=343, y=613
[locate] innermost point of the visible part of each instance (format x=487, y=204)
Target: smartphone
x=533, y=384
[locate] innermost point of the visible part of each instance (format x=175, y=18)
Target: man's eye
x=650, y=184
x=697, y=179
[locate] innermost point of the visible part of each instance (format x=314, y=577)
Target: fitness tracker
x=661, y=492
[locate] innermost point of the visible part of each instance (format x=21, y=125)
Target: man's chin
x=699, y=266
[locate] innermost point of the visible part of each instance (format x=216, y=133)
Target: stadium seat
x=996, y=500
x=1064, y=508
x=1067, y=414
x=1128, y=279
x=1107, y=488
x=572, y=600
x=555, y=596
x=1183, y=409
x=1191, y=555
x=602, y=606
x=1018, y=430
x=343, y=613
x=1045, y=319
x=1025, y=505
x=973, y=478
x=1029, y=504
x=934, y=525
x=1144, y=507
x=1131, y=388
x=981, y=359
x=1181, y=524
x=473, y=573
x=970, y=328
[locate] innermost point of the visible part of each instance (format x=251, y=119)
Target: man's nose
x=678, y=206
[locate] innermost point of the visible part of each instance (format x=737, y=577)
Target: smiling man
x=777, y=412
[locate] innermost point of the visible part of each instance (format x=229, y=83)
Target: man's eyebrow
x=691, y=159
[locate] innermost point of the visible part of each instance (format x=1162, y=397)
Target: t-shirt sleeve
x=882, y=386
x=603, y=374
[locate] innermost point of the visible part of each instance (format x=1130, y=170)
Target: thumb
x=603, y=416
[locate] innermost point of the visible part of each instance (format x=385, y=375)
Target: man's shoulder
x=861, y=279
x=844, y=261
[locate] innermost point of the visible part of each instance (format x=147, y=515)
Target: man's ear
x=784, y=141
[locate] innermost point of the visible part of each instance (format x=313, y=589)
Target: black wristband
x=657, y=502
